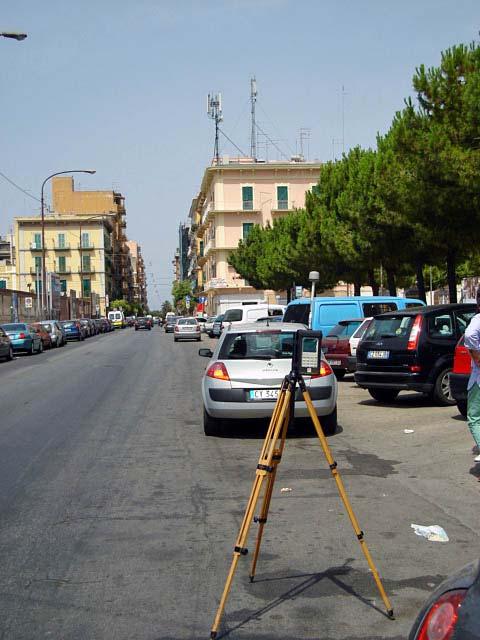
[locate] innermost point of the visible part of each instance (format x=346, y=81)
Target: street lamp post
x=314, y=277
x=42, y=200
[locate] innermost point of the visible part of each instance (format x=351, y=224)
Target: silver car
x=56, y=331
x=186, y=329
x=245, y=371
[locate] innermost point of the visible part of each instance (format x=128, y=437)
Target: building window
x=85, y=240
x=61, y=241
x=247, y=227
x=38, y=264
x=62, y=267
x=86, y=263
x=201, y=249
x=3, y=284
x=63, y=286
x=86, y=288
x=247, y=198
x=282, y=197
x=37, y=240
x=316, y=189
x=38, y=287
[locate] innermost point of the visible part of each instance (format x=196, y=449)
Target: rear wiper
x=388, y=335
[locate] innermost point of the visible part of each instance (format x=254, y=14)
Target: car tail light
x=325, y=370
x=197, y=328
x=176, y=328
x=461, y=360
x=415, y=334
x=218, y=371
x=440, y=622
x=22, y=336
x=415, y=368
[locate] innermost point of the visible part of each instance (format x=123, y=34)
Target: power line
x=18, y=187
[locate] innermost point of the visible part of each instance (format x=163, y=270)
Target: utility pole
x=214, y=111
x=253, y=136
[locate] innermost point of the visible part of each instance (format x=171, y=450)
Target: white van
x=251, y=313
x=117, y=318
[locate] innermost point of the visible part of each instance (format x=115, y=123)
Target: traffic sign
x=28, y=303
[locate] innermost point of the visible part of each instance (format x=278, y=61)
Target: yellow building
x=85, y=244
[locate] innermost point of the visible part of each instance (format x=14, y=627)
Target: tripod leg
x=264, y=467
x=343, y=495
x=262, y=520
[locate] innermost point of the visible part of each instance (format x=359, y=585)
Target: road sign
x=298, y=292
x=187, y=299
x=28, y=303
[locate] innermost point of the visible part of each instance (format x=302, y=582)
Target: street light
x=13, y=35
x=44, y=272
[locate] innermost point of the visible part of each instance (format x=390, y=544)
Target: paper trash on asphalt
x=434, y=532
x=409, y=431
x=285, y=489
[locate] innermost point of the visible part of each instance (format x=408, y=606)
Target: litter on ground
x=434, y=532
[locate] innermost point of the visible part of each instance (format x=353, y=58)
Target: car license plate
x=379, y=355
x=264, y=394
x=334, y=363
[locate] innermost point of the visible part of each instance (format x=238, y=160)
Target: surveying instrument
x=306, y=360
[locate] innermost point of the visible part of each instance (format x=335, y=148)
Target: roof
x=436, y=308
x=353, y=298
x=256, y=327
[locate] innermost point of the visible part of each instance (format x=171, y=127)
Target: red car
x=462, y=366
x=336, y=346
x=44, y=335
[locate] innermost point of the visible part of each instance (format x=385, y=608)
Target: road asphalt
x=118, y=516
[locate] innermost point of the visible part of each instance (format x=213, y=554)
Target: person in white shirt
x=472, y=342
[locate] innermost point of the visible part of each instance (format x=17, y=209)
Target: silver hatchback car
x=246, y=369
x=187, y=329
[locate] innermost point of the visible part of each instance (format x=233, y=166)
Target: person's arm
x=475, y=356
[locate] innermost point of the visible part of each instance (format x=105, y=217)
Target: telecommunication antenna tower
x=305, y=133
x=214, y=111
x=253, y=137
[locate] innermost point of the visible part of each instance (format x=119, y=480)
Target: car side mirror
x=206, y=353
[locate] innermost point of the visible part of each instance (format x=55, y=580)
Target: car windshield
x=344, y=329
x=219, y=318
x=390, y=327
x=14, y=327
x=258, y=345
x=187, y=321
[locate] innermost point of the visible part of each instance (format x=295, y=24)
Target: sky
x=120, y=86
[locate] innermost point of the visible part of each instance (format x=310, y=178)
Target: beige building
x=85, y=244
x=139, y=281
x=235, y=195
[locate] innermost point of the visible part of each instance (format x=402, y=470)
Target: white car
x=186, y=329
x=354, y=340
x=245, y=371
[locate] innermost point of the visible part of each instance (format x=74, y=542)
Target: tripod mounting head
x=307, y=353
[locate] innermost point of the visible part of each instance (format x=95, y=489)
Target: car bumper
x=235, y=404
x=21, y=344
x=187, y=336
x=337, y=361
x=73, y=336
x=403, y=381
x=458, y=386
x=352, y=363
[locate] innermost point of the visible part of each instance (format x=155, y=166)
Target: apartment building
x=7, y=263
x=235, y=195
x=139, y=281
x=85, y=244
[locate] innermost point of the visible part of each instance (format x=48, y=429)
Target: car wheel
x=199, y=339
x=339, y=373
x=32, y=349
x=40, y=347
x=10, y=354
x=442, y=393
x=462, y=407
x=383, y=395
x=136, y=328
x=329, y=423
x=175, y=340
x=211, y=426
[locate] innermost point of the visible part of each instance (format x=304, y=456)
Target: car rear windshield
x=376, y=308
x=233, y=315
x=344, y=329
x=14, y=327
x=391, y=327
x=69, y=324
x=187, y=321
x=297, y=313
x=258, y=345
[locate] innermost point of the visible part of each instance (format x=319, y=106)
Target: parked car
x=202, y=322
x=87, y=327
x=412, y=350
x=462, y=367
x=6, y=348
x=130, y=320
x=170, y=323
x=44, y=335
x=354, y=341
x=74, y=330
x=142, y=323
x=336, y=346
x=217, y=326
x=209, y=325
x=57, y=334
x=451, y=611
x=187, y=329
x=324, y=312
x=245, y=371
x=24, y=337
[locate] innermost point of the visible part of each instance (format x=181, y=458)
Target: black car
x=412, y=350
x=170, y=323
x=452, y=609
x=143, y=323
x=217, y=326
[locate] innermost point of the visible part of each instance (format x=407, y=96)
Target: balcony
x=250, y=206
x=59, y=247
x=283, y=206
x=86, y=270
x=34, y=271
x=66, y=271
x=86, y=247
x=35, y=246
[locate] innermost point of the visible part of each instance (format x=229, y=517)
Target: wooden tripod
x=270, y=457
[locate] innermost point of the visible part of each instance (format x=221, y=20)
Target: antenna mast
x=214, y=111
x=253, y=137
